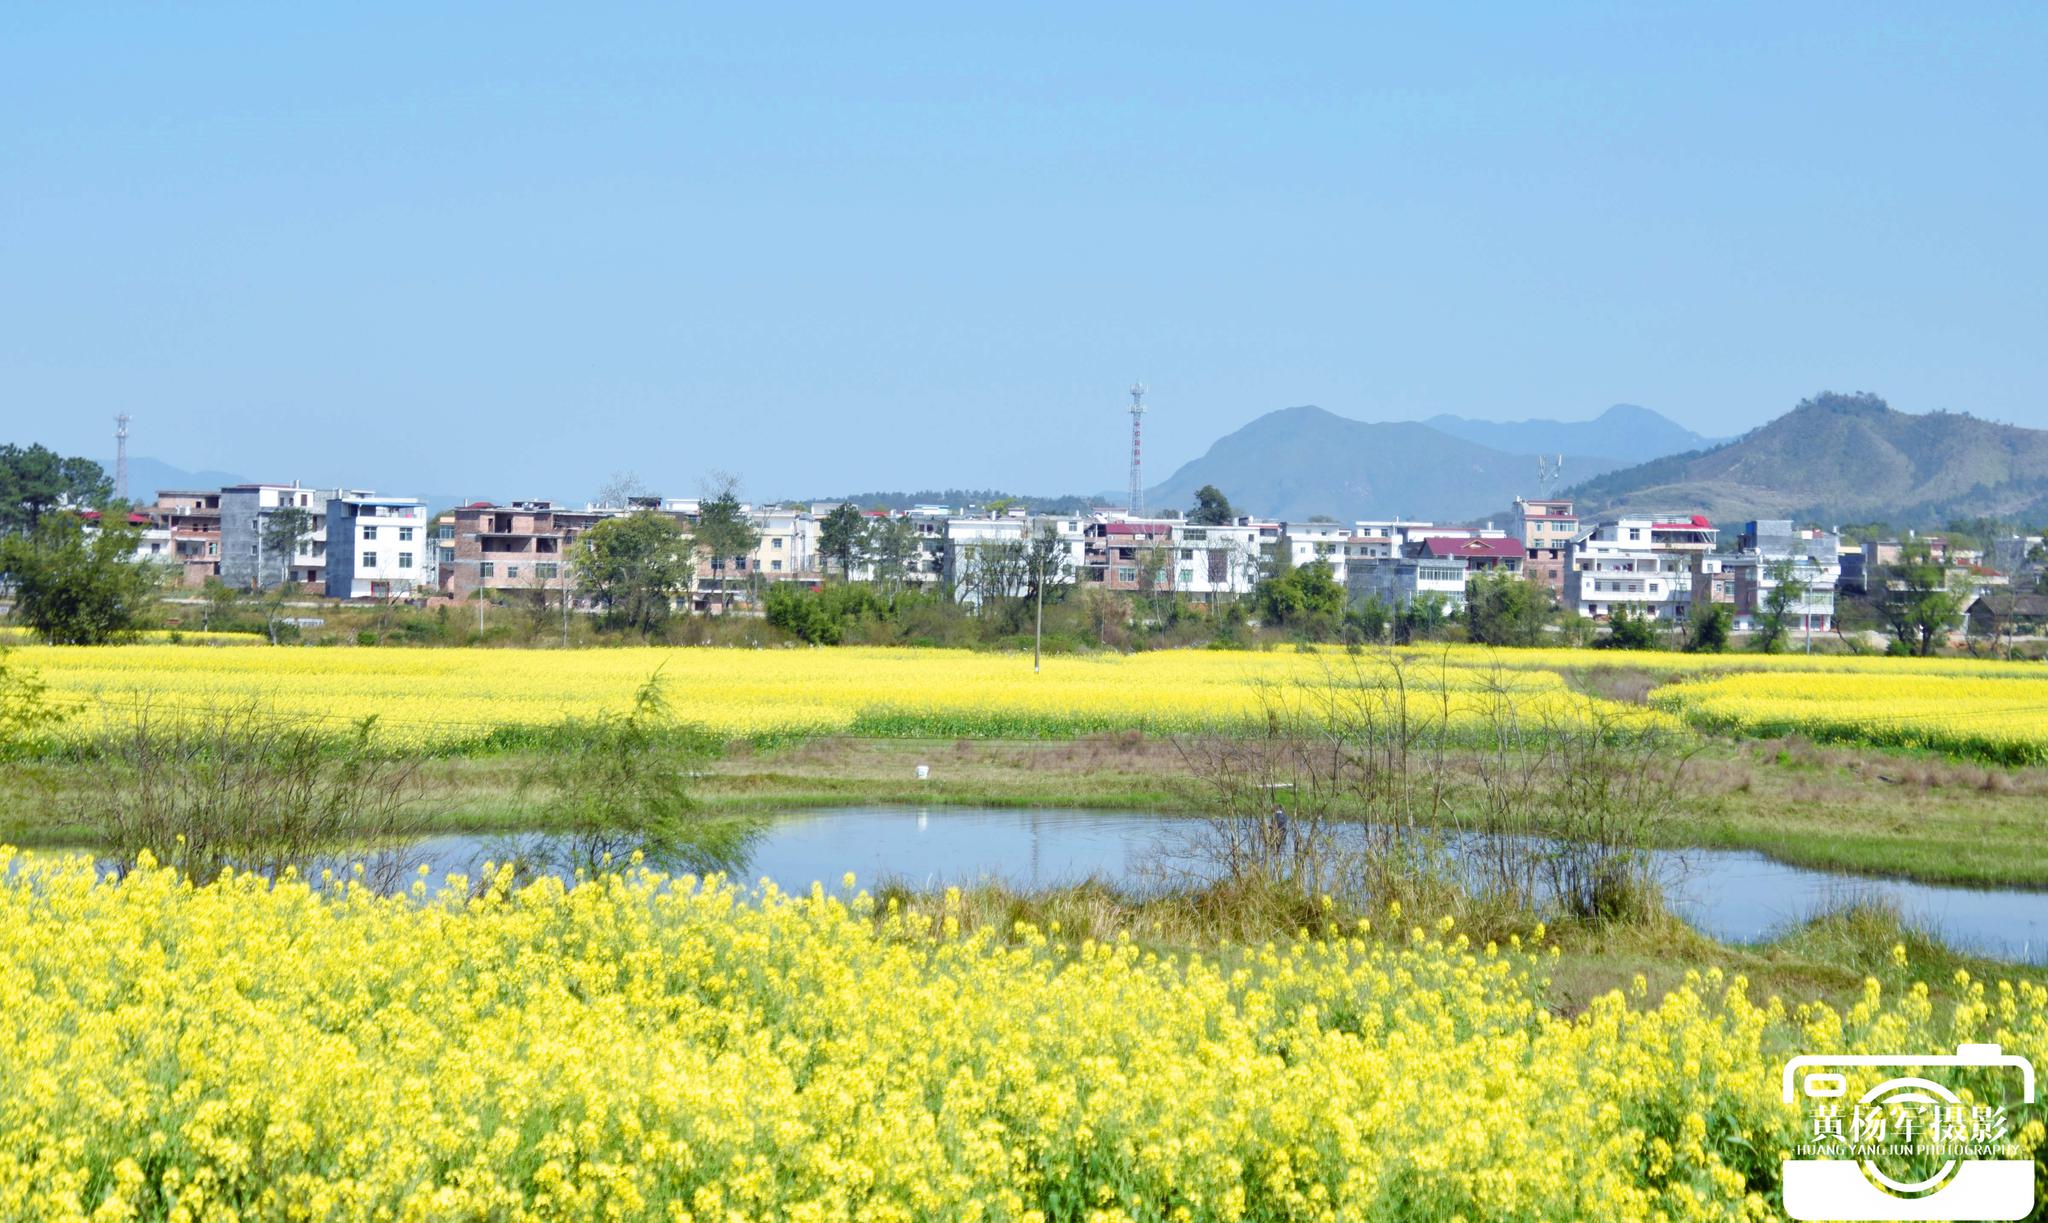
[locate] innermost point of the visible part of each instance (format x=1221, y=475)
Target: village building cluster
x=1663, y=567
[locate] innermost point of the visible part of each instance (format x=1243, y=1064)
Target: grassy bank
x=1860, y=810
x=1826, y=955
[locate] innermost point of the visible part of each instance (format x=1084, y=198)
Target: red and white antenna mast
x=1137, y=465
x=121, y=455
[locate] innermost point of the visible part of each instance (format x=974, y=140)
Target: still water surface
x=1734, y=895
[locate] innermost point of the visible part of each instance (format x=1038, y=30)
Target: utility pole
x=1038, y=633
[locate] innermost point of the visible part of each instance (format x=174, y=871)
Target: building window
x=447, y=556
x=776, y=543
x=775, y=565
x=1126, y=573
x=546, y=571
x=405, y=535
x=369, y=560
x=444, y=531
x=512, y=572
x=405, y=560
x=369, y=532
x=1187, y=577
x=486, y=569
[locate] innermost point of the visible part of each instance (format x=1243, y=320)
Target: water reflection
x=1734, y=895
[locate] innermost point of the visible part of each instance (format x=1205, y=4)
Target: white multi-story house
x=376, y=547
x=1370, y=541
x=926, y=525
x=969, y=566
x=153, y=544
x=787, y=547
x=1304, y=543
x=1645, y=563
x=1216, y=562
x=1770, y=547
x=246, y=558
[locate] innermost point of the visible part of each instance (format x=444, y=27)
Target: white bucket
x=923, y=771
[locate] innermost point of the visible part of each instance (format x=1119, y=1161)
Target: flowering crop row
x=452, y=697
x=638, y=1047
x=1999, y=719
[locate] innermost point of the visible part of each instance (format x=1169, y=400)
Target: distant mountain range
x=147, y=477
x=1845, y=458
x=1304, y=461
x=1624, y=433
x=960, y=498
x=1832, y=459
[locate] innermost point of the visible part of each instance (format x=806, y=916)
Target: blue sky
x=510, y=248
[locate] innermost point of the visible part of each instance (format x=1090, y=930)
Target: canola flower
x=455, y=699
x=640, y=1047
x=2002, y=719
x=451, y=698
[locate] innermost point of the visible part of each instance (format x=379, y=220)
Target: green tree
x=821, y=616
x=1916, y=603
x=1003, y=578
x=219, y=601
x=1368, y=622
x=78, y=584
x=1300, y=596
x=1629, y=629
x=1505, y=609
x=723, y=535
x=283, y=530
x=26, y=709
x=633, y=567
x=1708, y=632
x=842, y=536
x=1774, y=614
x=1425, y=618
x=891, y=545
x=35, y=480
x=621, y=785
x=1212, y=508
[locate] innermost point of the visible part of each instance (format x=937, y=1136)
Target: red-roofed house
x=1484, y=555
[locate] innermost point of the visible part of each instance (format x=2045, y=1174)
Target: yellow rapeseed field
x=451, y=698
x=632, y=1048
x=458, y=696
x=1959, y=712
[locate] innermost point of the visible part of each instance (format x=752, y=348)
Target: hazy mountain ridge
x=1838, y=457
x=1625, y=433
x=1302, y=461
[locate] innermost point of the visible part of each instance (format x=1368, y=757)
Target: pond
x=1737, y=896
